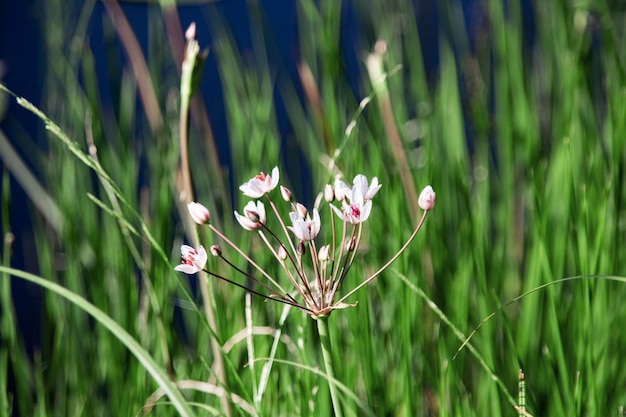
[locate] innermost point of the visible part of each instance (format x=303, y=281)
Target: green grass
x=539, y=198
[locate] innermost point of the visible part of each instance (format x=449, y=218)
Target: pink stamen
x=190, y=258
x=355, y=211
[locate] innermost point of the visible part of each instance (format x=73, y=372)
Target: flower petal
x=274, y=178
x=187, y=269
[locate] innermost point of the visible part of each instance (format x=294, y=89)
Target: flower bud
x=426, y=199
x=252, y=215
x=329, y=193
x=301, y=248
x=282, y=253
x=301, y=209
x=286, y=193
x=323, y=253
x=351, y=244
x=199, y=213
x=216, y=250
x=190, y=33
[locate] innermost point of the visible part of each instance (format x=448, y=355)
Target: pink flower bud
x=329, y=193
x=427, y=197
x=301, y=209
x=216, y=250
x=199, y=213
x=252, y=215
x=301, y=249
x=286, y=193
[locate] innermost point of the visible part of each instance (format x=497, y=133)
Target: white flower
x=426, y=199
x=368, y=191
x=357, y=210
x=254, y=216
x=199, y=213
x=261, y=184
x=193, y=260
x=305, y=228
x=341, y=189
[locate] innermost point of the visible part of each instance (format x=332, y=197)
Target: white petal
x=186, y=268
x=365, y=211
x=339, y=213
x=275, y=176
x=317, y=224
x=373, y=189
x=201, y=258
x=185, y=249
x=245, y=222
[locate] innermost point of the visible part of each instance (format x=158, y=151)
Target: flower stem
x=322, y=328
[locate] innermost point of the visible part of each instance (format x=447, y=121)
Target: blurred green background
x=512, y=111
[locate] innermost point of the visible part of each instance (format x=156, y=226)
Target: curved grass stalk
x=466, y=340
x=458, y=333
x=144, y=357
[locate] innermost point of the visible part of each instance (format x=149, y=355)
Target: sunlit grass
x=524, y=145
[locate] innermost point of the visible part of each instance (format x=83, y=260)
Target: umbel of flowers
x=315, y=269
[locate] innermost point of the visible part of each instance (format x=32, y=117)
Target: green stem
x=322, y=328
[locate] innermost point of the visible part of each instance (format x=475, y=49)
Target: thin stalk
x=188, y=84
x=322, y=329
x=389, y=262
x=379, y=84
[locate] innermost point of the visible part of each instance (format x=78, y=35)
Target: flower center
x=355, y=211
x=190, y=258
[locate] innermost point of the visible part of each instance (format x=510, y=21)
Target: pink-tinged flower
x=305, y=228
x=261, y=184
x=368, y=191
x=357, y=210
x=254, y=216
x=426, y=199
x=341, y=189
x=193, y=260
x=199, y=213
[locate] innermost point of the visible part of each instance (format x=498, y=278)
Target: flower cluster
x=316, y=273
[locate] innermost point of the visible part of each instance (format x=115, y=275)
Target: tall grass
x=522, y=141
